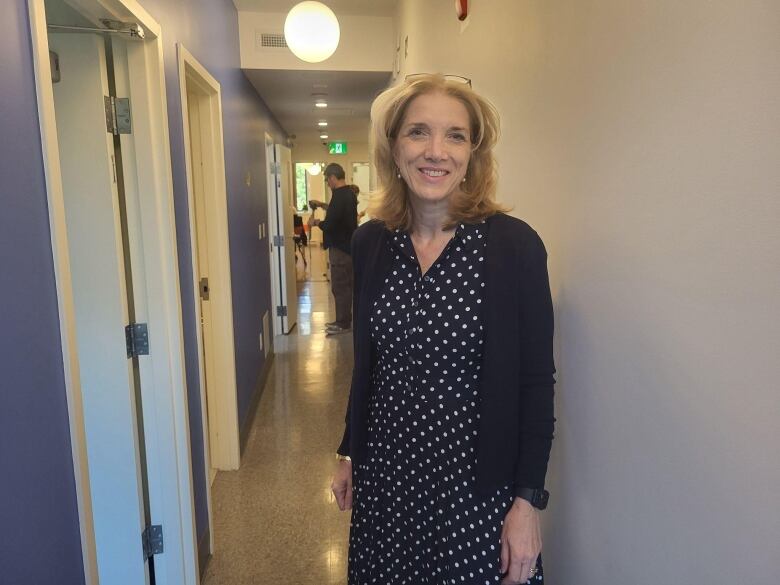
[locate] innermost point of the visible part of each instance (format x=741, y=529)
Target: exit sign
x=337, y=148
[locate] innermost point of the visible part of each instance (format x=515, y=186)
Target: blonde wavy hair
x=476, y=199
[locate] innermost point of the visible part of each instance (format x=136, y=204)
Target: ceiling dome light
x=323, y=136
x=322, y=123
x=312, y=31
x=321, y=104
x=314, y=169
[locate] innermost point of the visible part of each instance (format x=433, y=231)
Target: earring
x=464, y=180
x=398, y=172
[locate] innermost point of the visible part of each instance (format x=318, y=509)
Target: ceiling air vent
x=271, y=41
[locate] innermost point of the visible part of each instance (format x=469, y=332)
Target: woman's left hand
x=521, y=542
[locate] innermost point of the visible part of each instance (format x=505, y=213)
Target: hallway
x=275, y=520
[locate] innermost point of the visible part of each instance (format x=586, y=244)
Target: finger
x=348, y=499
x=339, y=495
x=516, y=568
x=504, y=556
x=534, y=565
x=525, y=572
x=513, y=576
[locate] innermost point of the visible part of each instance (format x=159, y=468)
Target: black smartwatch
x=536, y=497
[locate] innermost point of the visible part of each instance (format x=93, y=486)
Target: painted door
x=282, y=237
x=97, y=232
x=360, y=177
x=194, y=105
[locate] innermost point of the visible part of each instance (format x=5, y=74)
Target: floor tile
x=275, y=521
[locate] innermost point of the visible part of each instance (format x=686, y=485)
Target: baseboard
x=253, y=407
x=204, y=551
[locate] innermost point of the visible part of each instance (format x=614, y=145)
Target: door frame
x=286, y=227
x=276, y=292
x=168, y=456
x=226, y=451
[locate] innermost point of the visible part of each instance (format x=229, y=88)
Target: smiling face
x=433, y=146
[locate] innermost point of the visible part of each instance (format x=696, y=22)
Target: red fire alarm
x=462, y=9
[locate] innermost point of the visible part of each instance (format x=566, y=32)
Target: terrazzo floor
x=274, y=520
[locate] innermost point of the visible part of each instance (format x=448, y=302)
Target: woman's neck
x=430, y=217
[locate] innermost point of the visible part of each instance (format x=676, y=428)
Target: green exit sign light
x=337, y=148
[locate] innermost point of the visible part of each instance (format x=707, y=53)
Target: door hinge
x=276, y=168
x=137, y=338
x=204, y=288
x=152, y=540
x=117, y=115
x=279, y=241
x=281, y=311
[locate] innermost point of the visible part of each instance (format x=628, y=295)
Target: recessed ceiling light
x=323, y=136
x=321, y=105
x=322, y=123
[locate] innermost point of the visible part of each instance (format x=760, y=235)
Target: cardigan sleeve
x=344, y=447
x=537, y=367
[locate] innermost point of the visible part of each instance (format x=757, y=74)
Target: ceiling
x=288, y=94
x=354, y=7
x=349, y=94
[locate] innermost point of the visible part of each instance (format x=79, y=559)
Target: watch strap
x=538, y=498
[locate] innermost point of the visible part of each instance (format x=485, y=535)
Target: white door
x=283, y=246
x=100, y=274
x=201, y=254
x=360, y=177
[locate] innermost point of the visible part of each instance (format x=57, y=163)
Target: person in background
x=338, y=226
x=450, y=415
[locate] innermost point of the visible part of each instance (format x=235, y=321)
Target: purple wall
x=209, y=30
x=37, y=503
x=39, y=527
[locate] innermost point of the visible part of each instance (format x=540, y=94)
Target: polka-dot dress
x=417, y=518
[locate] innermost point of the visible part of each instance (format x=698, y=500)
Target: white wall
x=316, y=152
x=366, y=44
x=642, y=140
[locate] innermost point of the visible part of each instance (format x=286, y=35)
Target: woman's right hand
x=342, y=485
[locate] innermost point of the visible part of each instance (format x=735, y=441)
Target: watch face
x=540, y=498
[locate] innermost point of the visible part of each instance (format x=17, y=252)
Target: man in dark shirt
x=337, y=227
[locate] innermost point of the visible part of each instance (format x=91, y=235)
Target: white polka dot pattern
x=417, y=518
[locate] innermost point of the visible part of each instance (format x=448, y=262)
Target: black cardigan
x=516, y=389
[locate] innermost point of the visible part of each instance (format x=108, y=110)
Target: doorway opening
x=281, y=229
x=207, y=198
x=103, y=120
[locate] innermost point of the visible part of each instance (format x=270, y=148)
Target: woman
x=450, y=416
